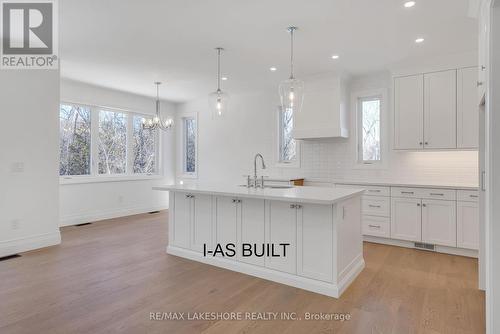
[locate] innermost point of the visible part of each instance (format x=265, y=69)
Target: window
x=74, y=140
x=144, y=148
x=369, y=130
x=189, y=151
x=97, y=141
x=287, y=145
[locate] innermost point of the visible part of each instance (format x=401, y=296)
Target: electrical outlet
x=15, y=224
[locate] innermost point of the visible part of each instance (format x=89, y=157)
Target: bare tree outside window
x=144, y=147
x=189, y=145
x=287, y=145
x=112, y=142
x=74, y=140
x=370, y=130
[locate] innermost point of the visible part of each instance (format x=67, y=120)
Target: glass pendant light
x=218, y=100
x=157, y=122
x=291, y=90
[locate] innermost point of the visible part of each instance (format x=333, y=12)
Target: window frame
x=278, y=146
x=356, y=99
x=182, y=173
x=94, y=176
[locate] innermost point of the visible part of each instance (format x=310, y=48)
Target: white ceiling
x=129, y=44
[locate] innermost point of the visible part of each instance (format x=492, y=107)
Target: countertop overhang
x=306, y=194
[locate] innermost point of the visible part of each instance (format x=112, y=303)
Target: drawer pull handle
x=408, y=192
x=293, y=206
x=374, y=190
x=436, y=194
x=473, y=196
x=374, y=226
x=298, y=206
x=374, y=206
x=418, y=204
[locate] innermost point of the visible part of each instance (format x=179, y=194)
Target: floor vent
x=5, y=258
x=83, y=224
x=153, y=212
x=421, y=245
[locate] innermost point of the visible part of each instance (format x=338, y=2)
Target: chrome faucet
x=255, y=180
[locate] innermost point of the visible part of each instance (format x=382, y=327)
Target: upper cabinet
x=324, y=111
x=436, y=111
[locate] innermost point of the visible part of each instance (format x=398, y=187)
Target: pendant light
x=218, y=100
x=291, y=90
x=157, y=122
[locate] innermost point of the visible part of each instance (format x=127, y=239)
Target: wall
x=101, y=200
x=29, y=181
x=226, y=149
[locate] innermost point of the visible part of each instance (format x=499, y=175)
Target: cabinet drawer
x=376, y=226
x=376, y=206
x=406, y=192
x=369, y=190
x=444, y=194
x=468, y=195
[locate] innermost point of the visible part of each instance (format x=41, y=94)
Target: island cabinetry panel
x=201, y=221
x=281, y=227
x=226, y=220
x=315, y=240
x=180, y=224
x=251, y=227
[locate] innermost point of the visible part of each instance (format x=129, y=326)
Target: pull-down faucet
x=255, y=182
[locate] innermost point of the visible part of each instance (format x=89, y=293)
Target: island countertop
x=306, y=194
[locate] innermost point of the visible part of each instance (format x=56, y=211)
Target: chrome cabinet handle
x=424, y=205
x=436, y=194
x=408, y=192
x=473, y=196
x=374, y=226
x=420, y=143
x=292, y=206
x=236, y=200
x=374, y=206
x=426, y=143
x=298, y=206
x=189, y=196
x=374, y=190
x=418, y=204
x=479, y=83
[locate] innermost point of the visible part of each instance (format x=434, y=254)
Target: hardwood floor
x=107, y=277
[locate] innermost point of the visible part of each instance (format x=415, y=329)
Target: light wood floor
x=108, y=277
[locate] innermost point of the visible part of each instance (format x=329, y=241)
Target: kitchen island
x=306, y=237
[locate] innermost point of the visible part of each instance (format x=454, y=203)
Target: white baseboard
x=324, y=288
x=116, y=213
x=14, y=246
x=411, y=244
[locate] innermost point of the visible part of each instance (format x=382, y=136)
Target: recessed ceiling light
x=335, y=57
x=224, y=78
x=419, y=40
x=272, y=69
x=409, y=4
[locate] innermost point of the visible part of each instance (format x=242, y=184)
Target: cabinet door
x=282, y=228
x=406, y=219
x=226, y=221
x=314, y=246
x=467, y=108
x=408, y=112
x=181, y=220
x=439, y=222
x=201, y=222
x=440, y=110
x=467, y=225
x=251, y=214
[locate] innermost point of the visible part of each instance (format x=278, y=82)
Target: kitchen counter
x=458, y=186
x=314, y=195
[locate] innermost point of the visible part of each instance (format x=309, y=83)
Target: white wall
x=226, y=149
x=101, y=200
x=29, y=159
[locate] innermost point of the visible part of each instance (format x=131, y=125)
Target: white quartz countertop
x=306, y=194
x=460, y=186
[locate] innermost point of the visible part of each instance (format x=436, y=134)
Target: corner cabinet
x=324, y=112
x=436, y=111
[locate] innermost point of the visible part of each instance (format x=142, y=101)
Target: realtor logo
x=29, y=34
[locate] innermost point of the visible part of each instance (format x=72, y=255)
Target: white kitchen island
x=306, y=237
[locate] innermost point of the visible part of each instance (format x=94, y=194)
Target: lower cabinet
x=377, y=226
x=251, y=228
x=468, y=225
x=226, y=220
x=406, y=219
x=201, y=221
x=439, y=222
x=181, y=222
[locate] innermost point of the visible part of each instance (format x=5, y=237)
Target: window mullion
x=94, y=141
x=130, y=144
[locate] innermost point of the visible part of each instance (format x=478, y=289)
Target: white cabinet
x=324, y=110
x=467, y=108
x=179, y=233
x=467, y=225
x=201, y=221
x=226, y=220
x=314, y=248
x=408, y=112
x=251, y=221
x=440, y=110
x=406, y=219
x=439, y=222
x=282, y=228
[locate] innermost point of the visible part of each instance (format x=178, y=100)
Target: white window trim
x=384, y=126
x=277, y=146
x=181, y=147
x=94, y=176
